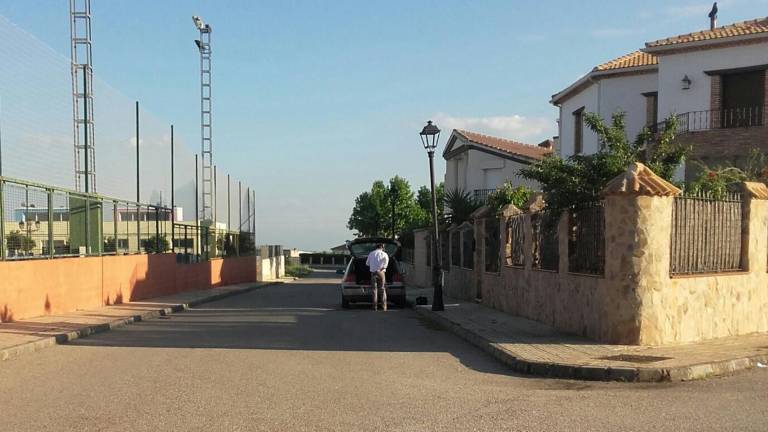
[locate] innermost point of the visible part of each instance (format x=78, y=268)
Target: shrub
x=462, y=204
x=151, y=244
x=19, y=243
x=297, y=270
x=508, y=194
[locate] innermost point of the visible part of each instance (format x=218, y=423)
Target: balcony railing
x=481, y=195
x=697, y=121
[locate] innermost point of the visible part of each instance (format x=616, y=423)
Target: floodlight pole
x=204, y=46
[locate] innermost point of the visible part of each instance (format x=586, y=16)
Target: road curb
x=65, y=337
x=589, y=372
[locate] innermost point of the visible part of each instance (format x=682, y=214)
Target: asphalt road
x=288, y=358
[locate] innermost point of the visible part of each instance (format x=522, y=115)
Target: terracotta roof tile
x=743, y=28
x=634, y=59
x=505, y=145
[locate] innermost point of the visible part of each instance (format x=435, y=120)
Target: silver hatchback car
x=356, y=284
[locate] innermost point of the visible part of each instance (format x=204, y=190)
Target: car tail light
x=350, y=278
x=397, y=278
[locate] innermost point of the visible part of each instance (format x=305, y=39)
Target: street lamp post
x=430, y=135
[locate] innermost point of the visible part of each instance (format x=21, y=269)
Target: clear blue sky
x=314, y=100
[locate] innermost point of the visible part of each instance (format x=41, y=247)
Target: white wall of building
x=606, y=97
x=625, y=93
x=673, y=67
x=587, y=98
x=474, y=169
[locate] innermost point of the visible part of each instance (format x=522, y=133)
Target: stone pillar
x=638, y=224
x=755, y=235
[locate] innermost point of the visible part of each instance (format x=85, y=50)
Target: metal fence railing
x=545, y=242
x=706, y=234
x=697, y=121
x=468, y=248
x=481, y=195
x=39, y=221
x=515, y=241
x=491, y=259
x=455, y=249
x=406, y=255
x=586, y=239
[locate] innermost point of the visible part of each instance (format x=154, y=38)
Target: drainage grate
x=633, y=358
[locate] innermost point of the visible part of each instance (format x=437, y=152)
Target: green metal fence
x=42, y=222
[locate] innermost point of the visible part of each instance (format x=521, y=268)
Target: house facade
x=478, y=163
x=713, y=81
x=626, y=84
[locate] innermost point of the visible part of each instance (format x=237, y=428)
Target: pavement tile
x=535, y=348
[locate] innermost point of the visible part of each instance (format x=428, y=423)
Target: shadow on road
x=304, y=315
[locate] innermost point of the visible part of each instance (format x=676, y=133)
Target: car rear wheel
x=344, y=302
x=399, y=301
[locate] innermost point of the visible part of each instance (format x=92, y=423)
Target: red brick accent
x=723, y=147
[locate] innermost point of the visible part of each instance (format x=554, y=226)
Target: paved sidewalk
x=534, y=348
x=29, y=335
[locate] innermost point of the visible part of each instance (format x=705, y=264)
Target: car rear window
x=363, y=249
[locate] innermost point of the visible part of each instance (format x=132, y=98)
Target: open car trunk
x=363, y=272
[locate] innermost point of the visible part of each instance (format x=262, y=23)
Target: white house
x=478, y=163
x=628, y=84
x=713, y=80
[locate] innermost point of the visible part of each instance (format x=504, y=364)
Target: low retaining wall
x=39, y=287
x=418, y=274
x=271, y=268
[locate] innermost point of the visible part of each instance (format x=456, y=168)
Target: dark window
x=651, y=109
x=578, y=131
x=743, y=96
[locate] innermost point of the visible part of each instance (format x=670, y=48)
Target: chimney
x=713, y=17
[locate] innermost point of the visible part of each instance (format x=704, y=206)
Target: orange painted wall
x=40, y=287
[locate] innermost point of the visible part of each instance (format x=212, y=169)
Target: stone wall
x=635, y=300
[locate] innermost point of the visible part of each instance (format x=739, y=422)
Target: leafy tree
x=424, y=201
x=407, y=210
x=508, y=194
x=372, y=214
x=567, y=183
x=462, y=205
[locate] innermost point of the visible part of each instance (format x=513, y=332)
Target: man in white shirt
x=377, y=262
